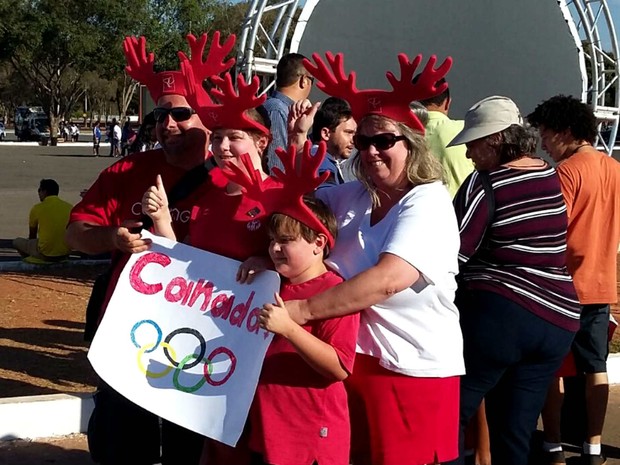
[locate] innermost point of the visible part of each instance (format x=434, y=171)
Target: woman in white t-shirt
x=397, y=247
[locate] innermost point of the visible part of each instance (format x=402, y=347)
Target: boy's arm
x=321, y=356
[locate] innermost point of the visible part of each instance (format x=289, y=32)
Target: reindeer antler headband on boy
x=286, y=194
x=232, y=111
x=140, y=64
x=393, y=104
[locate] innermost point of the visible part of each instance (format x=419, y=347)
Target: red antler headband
x=393, y=104
x=286, y=194
x=232, y=111
x=140, y=65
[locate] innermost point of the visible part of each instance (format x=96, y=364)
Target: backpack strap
x=485, y=179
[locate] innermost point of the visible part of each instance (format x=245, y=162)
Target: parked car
x=2, y=132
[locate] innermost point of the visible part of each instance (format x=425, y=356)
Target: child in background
x=300, y=414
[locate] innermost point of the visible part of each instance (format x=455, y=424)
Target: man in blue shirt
x=334, y=124
x=293, y=83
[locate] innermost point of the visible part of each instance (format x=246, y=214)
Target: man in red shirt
x=105, y=219
x=590, y=182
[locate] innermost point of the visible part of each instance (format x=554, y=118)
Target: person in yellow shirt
x=48, y=221
x=440, y=130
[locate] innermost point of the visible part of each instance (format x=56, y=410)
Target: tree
x=50, y=43
x=53, y=45
x=14, y=91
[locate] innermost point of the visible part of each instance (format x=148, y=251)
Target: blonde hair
x=421, y=165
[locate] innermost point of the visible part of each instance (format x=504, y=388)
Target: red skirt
x=401, y=420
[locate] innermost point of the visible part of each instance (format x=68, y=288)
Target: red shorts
x=401, y=420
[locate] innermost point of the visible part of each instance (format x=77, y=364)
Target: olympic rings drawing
x=203, y=346
x=185, y=363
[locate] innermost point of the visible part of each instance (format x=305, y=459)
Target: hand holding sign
x=275, y=317
x=127, y=241
x=250, y=268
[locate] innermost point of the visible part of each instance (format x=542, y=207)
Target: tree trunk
x=53, y=129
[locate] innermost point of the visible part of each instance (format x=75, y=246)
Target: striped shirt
x=523, y=256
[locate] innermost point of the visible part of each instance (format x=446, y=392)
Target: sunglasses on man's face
x=178, y=114
x=383, y=141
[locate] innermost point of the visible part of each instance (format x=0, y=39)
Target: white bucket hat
x=488, y=116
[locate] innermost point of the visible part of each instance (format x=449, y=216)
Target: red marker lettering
x=222, y=305
x=252, y=323
x=136, y=280
x=179, y=283
x=202, y=289
x=240, y=311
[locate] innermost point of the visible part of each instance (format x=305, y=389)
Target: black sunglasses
x=177, y=113
x=383, y=141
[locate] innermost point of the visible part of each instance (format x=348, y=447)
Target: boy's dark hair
x=49, y=186
x=289, y=69
x=437, y=99
x=332, y=112
x=563, y=112
x=282, y=225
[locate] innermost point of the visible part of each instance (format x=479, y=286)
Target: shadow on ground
x=72, y=452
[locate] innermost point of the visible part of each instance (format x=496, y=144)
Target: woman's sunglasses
x=177, y=113
x=383, y=141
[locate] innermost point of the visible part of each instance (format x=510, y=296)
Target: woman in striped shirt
x=519, y=309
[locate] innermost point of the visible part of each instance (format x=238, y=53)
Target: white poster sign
x=181, y=337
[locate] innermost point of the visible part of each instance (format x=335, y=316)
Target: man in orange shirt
x=590, y=182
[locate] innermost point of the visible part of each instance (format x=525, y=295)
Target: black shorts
x=591, y=344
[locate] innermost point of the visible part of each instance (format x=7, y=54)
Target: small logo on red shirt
x=253, y=225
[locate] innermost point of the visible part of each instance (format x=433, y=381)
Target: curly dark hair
x=563, y=112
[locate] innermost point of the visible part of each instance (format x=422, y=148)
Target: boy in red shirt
x=300, y=414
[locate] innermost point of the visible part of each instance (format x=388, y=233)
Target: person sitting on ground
x=48, y=221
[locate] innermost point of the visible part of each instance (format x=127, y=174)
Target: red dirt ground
x=41, y=326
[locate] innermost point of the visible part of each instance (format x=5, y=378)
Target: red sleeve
x=341, y=334
x=99, y=202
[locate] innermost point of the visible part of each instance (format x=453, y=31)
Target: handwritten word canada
x=193, y=293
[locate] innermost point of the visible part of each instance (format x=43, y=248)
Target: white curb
x=61, y=145
x=44, y=416
x=24, y=266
